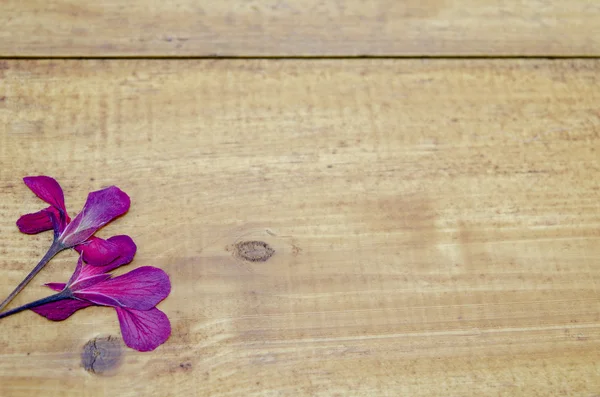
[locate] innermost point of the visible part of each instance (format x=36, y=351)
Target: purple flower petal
x=140, y=289
x=60, y=310
x=97, y=298
x=97, y=251
x=144, y=330
x=48, y=190
x=86, y=282
x=46, y=219
x=100, y=208
x=126, y=248
x=36, y=222
x=77, y=272
x=56, y=286
x=80, y=279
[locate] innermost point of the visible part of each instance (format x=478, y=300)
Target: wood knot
x=101, y=355
x=253, y=251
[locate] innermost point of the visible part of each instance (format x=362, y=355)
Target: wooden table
x=434, y=214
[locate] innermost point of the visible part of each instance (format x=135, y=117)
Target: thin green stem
x=55, y=248
x=52, y=298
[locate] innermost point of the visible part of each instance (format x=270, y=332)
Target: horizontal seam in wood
x=310, y=57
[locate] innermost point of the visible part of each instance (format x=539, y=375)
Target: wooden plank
x=299, y=28
x=435, y=223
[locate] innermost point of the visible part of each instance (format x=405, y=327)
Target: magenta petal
x=58, y=311
x=97, y=251
x=100, y=208
x=77, y=272
x=46, y=219
x=140, y=289
x=56, y=286
x=144, y=330
x=36, y=222
x=97, y=298
x=82, y=279
x=127, y=249
x=47, y=189
x=86, y=282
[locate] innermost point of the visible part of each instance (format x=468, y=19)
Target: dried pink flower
x=101, y=207
x=134, y=295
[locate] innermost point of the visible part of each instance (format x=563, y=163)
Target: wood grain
x=435, y=224
x=299, y=28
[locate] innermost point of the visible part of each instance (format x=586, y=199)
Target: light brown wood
x=435, y=223
x=299, y=28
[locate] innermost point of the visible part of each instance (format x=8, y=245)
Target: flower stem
x=52, y=298
x=55, y=248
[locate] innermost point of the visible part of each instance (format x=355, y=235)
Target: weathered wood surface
x=435, y=223
x=303, y=27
